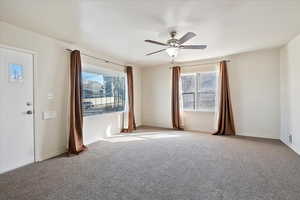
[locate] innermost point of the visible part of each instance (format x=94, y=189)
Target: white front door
x=16, y=109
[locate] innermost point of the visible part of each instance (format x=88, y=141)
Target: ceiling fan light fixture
x=172, y=51
x=173, y=45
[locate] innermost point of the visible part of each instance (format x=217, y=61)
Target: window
x=199, y=91
x=16, y=72
x=102, y=93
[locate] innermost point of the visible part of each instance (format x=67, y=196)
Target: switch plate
x=50, y=96
x=49, y=115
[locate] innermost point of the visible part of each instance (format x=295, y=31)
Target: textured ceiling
x=118, y=28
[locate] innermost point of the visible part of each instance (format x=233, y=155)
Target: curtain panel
x=176, y=113
x=225, y=117
x=76, y=117
x=131, y=118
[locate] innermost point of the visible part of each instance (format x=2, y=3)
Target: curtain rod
x=102, y=59
x=195, y=65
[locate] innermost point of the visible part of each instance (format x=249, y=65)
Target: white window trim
x=196, y=91
x=101, y=70
x=200, y=110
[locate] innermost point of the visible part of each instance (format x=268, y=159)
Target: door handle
x=29, y=112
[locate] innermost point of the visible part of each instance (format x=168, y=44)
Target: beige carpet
x=163, y=165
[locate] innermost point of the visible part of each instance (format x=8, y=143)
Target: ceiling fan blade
x=155, y=42
x=186, y=37
x=193, y=46
x=155, y=52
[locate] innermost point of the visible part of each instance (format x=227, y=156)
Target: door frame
x=34, y=92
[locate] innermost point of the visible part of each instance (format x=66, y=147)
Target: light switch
x=50, y=96
x=49, y=115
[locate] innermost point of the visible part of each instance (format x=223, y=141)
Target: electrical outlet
x=290, y=138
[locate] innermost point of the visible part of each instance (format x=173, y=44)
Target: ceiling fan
x=173, y=45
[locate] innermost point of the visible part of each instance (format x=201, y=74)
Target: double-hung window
x=102, y=91
x=199, y=91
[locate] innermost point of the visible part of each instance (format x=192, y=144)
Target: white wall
x=290, y=95
x=156, y=97
x=199, y=121
x=254, y=82
x=52, y=70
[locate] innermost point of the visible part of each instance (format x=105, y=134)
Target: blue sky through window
x=92, y=77
x=16, y=71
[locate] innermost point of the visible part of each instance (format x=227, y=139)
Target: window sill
x=200, y=111
x=104, y=114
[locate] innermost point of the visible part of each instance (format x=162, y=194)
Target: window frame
x=197, y=89
x=96, y=69
x=194, y=92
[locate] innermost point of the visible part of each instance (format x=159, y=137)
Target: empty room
x=149, y=100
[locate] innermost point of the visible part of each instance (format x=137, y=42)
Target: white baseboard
x=291, y=146
x=258, y=136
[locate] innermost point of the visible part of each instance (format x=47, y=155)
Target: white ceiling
x=119, y=27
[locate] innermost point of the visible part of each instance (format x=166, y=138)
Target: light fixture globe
x=172, y=51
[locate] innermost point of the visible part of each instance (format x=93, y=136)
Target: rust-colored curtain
x=225, y=119
x=176, y=120
x=131, y=118
x=76, y=119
